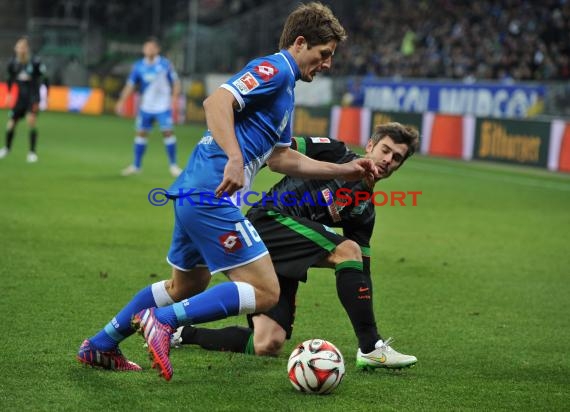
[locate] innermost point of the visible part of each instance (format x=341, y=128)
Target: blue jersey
x=154, y=81
x=264, y=90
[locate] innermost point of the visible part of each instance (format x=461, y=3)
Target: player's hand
x=8, y=101
x=119, y=106
x=233, y=177
x=360, y=169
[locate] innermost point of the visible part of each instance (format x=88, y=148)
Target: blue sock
x=170, y=145
x=218, y=302
x=139, y=149
x=119, y=328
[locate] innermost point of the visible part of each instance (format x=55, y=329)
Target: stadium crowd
x=480, y=39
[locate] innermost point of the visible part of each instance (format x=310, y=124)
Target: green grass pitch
x=474, y=281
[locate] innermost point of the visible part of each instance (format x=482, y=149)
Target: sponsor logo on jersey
x=320, y=140
x=246, y=83
x=206, y=140
x=23, y=76
x=230, y=241
x=283, y=123
x=332, y=208
x=266, y=71
x=149, y=77
x=359, y=209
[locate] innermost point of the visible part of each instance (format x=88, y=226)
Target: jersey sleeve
x=40, y=71
x=320, y=148
x=171, y=73
x=259, y=80
x=134, y=77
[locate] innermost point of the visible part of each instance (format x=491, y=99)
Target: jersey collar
x=292, y=64
x=152, y=62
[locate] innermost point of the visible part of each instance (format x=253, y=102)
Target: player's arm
x=125, y=93
x=219, y=109
x=292, y=163
x=41, y=73
x=128, y=89
x=176, y=89
x=320, y=148
x=11, y=74
x=176, y=85
x=10, y=82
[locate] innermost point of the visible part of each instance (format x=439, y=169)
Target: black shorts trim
x=294, y=243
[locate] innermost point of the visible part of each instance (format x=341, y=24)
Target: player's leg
x=229, y=244
x=15, y=115
x=354, y=289
x=143, y=125
x=163, y=293
x=273, y=327
x=253, y=287
x=296, y=243
x=101, y=350
x=265, y=336
x=167, y=128
x=189, y=277
x=31, y=119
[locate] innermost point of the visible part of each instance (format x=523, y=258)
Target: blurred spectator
x=74, y=74
x=482, y=39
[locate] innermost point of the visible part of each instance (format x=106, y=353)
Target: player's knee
x=273, y=295
x=183, y=285
x=270, y=347
x=268, y=335
x=348, y=250
x=266, y=297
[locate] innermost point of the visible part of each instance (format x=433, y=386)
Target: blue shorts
x=217, y=235
x=145, y=121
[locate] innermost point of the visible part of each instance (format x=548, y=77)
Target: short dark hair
x=399, y=133
x=315, y=22
x=152, y=39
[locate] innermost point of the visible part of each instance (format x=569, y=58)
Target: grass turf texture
x=474, y=281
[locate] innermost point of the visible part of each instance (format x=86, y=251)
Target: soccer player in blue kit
x=158, y=83
x=249, y=124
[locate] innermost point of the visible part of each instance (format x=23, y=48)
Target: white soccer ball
x=315, y=366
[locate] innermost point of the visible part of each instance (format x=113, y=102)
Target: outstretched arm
x=295, y=164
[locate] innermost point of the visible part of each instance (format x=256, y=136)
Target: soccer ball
x=315, y=366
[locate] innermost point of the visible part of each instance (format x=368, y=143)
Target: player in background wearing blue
x=28, y=72
x=159, y=86
x=249, y=124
